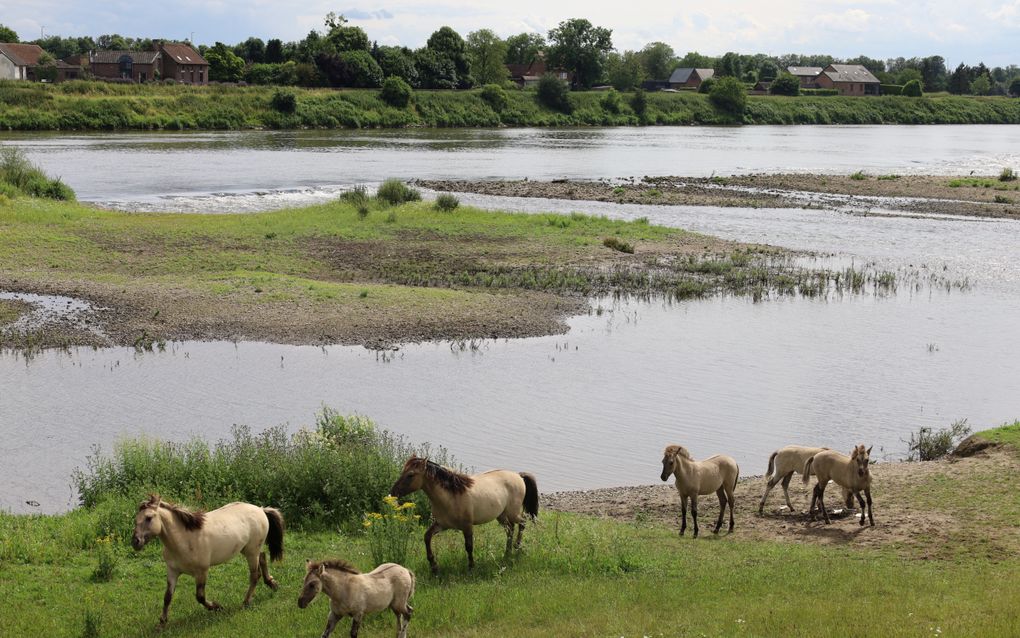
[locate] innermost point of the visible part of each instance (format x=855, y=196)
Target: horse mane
x=334, y=563
x=191, y=521
x=678, y=450
x=449, y=480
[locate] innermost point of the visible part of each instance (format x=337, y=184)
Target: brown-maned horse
x=850, y=472
x=783, y=463
x=717, y=474
x=461, y=502
x=354, y=594
x=195, y=541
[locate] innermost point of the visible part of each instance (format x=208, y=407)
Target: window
x=125, y=64
x=141, y=77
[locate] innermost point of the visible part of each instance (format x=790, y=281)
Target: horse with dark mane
x=461, y=502
x=351, y=593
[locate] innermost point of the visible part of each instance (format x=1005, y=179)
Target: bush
x=390, y=531
x=618, y=244
x=785, y=84
x=396, y=92
x=819, y=92
x=447, y=202
x=891, y=89
x=393, y=192
x=495, y=96
x=639, y=102
x=323, y=478
x=611, y=101
x=1007, y=175
x=729, y=96
x=859, y=176
x=706, y=85
x=912, y=89
x=107, y=560
x=18, y=175
x=357, y=196
x=1014, y=87
x=928, y=445
x=284, y=101
x=553, y=93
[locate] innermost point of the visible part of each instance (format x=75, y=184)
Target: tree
x=8, y=35
x=396, y=92
x=729, y=65
x=912, y=88
x=111, y=42
x=435, y=71
x=350, y=68
x=581, y=48
x=252, y=50
x=448, y=44
x=486, y=53
x=658, y=60
x=768, y=70
x=553, y=93
x=639, y=102
x=785, y=84
x=398, y=62
x=1014, y=87
x=959, y=81
x=625, y=72
x=906, y=75
x=340, y=37
x=695, y=60
x=871, y=64
x=729, y=96
x=981, y=86
x=274, y=51
x=933, y=69
x=224, y=65
x=524, y=48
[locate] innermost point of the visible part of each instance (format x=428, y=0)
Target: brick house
x=18, y=61
x=806, y=75
x=137, y=66
x=848, y=79
x=689, y=78
x=525, y=75
x=184, y=64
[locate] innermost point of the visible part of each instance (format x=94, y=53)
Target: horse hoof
x=273, y=584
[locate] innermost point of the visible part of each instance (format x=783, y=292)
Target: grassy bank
x=84, y=105
x=367, y=272
x=578, y=576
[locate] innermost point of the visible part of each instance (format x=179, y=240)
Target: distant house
x=762, y=87
x=689, y=78
x=18, y=61
x=525, y=75
x=848, y=79
x=183, y=63
x=137, y=66
x=806, y=75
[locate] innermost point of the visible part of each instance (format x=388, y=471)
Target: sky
x=971, y=31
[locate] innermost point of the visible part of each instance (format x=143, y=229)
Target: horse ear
x=856, y=451
x=869, y=449
x=322, y=570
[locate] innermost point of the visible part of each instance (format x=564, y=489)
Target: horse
x=461, y=502
x=852, y=472
x=195, y=541
x=354, y=594
x=716, y=474
x=783, y=463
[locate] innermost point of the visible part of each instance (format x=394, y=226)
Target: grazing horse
x=461, y=502
x=783, y=463
x=715, y=474
x=351, y=593
x=195, y=541
x=851, y=472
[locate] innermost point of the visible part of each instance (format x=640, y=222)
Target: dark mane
x=190, y=520
x=453, y=482
x=334, y=563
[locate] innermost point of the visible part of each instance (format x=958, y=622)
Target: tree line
x=341, y=55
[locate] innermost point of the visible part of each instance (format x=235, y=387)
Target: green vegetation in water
x=82, y=105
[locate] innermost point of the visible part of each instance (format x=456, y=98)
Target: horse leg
x=428, y=546
x=253, y=577
x=171, y=585
x=694, y=513
x=821, y=502
x=266, y=578
x=402, y=619
x=356, y=624
x=200, y=579
x=814, y=499
x=786, y=490
x=469, y=546
x=860, y=500
x=509, y=527
x=871, y=517
x=772, y=482
x=683, y=514
x=330, y=624
x=721, y=493
x=729, y=497
x=520, y=532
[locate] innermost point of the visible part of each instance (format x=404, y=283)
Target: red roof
x=22, y=54
x=182, y=54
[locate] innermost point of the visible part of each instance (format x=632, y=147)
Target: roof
x=22, y=54
x=850, y=73
x=113, y=57
x=683, y=75
x=182, y=54
x=804, y=71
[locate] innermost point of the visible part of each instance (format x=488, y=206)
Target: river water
x=593, y=407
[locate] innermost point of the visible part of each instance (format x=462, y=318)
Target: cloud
x=358, y=14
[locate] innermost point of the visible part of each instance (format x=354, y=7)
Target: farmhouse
x=689, y=78
x=18, y=61
x=138, y=66
x=184, y=64
x=848, y=79
x=806, y=75
x=525, y=75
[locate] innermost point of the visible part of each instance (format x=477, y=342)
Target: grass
x=1008, y=434
x=858, y=176
x=982, y=182
x=10, y=311
x=82, y=105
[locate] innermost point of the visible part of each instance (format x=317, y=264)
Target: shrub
x=1007, y=175
x=729, y=96
x=107, y=565
x=393, y=192
x=611, y=101
x=819, y=92
x=618, y=244
x=396, y=92
x=912, y=89
x=495, y=96
x=1014, y=87
x=1002, y=199
x=785, y=84
x=390, y=531
x=891, y=89
x=18, y=175
x=447, y=202
x=706, y=85
x=928, y=445
x=284, y=101
x=358, y=196
x=859, y=176
x=639, y=102
x=553, y=93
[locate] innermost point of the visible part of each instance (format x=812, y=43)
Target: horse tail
x=275, y=537
x=530, y=495
x=736, y=478
x=772, y=464
x=806, y=474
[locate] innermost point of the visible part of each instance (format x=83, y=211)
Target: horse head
x=313, y=583
x=147, y=522
x=411, y=478
x=669, y=459
x=861, y=457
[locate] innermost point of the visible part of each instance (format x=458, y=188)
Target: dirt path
x=935, y=509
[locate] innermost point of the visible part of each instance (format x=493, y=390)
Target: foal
x=354, y=594
x=851, y=472
x=783, y=463
x=715, y=474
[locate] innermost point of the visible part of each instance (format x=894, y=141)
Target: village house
x=183, y=63
x=526, y=75
x=178, y=62
x=689, y=78
x=18, y=61
x=806, y=75
x=848, y=79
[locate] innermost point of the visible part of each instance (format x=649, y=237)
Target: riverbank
x=372, y=274
x=983, y=196
x=923, y=569
x=83, y=106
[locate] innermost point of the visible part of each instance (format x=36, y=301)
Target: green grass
x=1008, y=433
x=83, y=105
x=10, y=311
x=982, y=182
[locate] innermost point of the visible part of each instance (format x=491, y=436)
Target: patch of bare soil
x=919, y=508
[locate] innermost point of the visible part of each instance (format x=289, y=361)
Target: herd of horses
x=195, y=541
